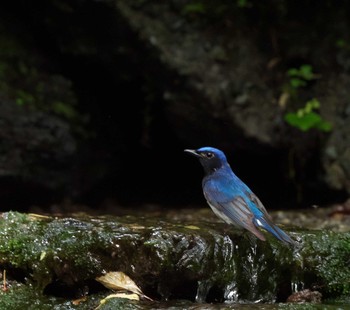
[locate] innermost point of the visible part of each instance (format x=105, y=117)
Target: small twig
x=4, y=285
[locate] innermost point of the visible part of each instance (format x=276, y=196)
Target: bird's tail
x=274, y=230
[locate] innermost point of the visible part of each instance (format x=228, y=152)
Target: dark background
x=128, y=145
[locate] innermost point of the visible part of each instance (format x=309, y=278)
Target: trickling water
x=231, y=292
x=202, y=290
x=297, y=278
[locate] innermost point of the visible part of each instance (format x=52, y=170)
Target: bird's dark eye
x=210, y=155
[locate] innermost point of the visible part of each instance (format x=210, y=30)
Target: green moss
x=20, y=296
x=307, y=306
x=326, y=256
x=23, y=297
x=166, y=256
x=18, y=239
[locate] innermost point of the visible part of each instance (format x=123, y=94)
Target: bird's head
x=210, y=158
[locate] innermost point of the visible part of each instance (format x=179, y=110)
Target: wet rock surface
x=169, y=258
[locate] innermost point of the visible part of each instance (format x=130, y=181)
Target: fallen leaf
x=120, y=281
x=78, y=301
x=132, y=296
x=192, y=227
x=34, y=216
x=283, y=100
x=118, y=295
x=42, y=255
x=136, y=226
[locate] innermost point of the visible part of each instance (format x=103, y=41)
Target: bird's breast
x=219, y=190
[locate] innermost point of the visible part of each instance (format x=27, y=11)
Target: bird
x=231, y=199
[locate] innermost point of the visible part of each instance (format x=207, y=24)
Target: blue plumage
x=231, y=199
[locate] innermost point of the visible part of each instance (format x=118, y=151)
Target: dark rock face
x=231, y=83
x=336, y=152
x=40, y=126
x=155, y=77
x=222, y=76
x=36, y=148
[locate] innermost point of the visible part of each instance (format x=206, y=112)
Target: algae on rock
x=170, y=259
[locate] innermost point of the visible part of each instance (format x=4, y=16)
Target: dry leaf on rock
x=120, y=281
x=118, y=295
x=34, y=216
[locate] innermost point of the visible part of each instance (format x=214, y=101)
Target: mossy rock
x=197, y=261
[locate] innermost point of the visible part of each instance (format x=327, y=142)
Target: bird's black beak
x=193, y=152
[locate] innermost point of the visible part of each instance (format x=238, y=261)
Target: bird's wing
x=257, y=203
x=238, y=205
x=265, y=221
x=236, y=212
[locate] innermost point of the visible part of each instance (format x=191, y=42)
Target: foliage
x=306, y=118
x=300, y=77
x=197, y=7
x=341, y=43
x=243, y=4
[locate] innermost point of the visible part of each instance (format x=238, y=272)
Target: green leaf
x=296, y=82
x=24, y=97
x=194, y=8
x=293, y=72
x=305, y=122
x=306, y=72
x=312, y=105
x=19, y=101
x=63, y=109
x=305, y=118
x=324, y=126
x=340, y=43
x=243, y=4
x=303, y=74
